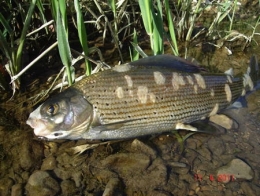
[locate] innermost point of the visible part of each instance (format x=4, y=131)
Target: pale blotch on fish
x=190, y=80
x=229, y=79
x=177, y=80
x=212, y=93
x=152, y=97
x=195, y=89
x=120, y=92
x=122, y=68
x=215, y=110
x=142, y=93
x=200, y=81
x=228, y=92
x=129, y=81
x=159, y=78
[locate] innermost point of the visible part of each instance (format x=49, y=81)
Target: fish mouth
x=39, y=127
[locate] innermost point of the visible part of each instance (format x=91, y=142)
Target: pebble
x=5, y=186
x=247, y=189
x=17, y=190
x=41, y=183
x=235, y=169
x=68, y=188
x=138, y=146
x=216, y=146
x=49, y=163
x=29, y=154
x=205, y=153
x=224, y=121
x=111, y=187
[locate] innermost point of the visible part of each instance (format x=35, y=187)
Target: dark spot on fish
x=154, y=113
x=129, y=116
x=57, y=134
x=126, y=89
x=114, y=113
x=126, y=102
x=107, y=104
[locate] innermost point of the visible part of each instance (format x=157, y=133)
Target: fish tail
x=251, y=77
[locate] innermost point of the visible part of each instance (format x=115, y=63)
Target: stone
x=138, y=146
x=41, y=183
x=247, y=189
x=5, y=186
x=224, y=121
x=233, y=170
x=216, y=146
x=17, y=190
x=49, y=163
x=68, y=188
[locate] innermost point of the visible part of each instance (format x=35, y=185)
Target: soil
x=156, y=165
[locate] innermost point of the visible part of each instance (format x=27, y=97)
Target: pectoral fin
x=202, y=126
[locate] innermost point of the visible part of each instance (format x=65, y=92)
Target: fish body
x=135, y=99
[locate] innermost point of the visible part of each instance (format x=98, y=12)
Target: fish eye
x=52, y=109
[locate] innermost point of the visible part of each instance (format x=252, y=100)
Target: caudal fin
x=254, y=71
x=252, y=76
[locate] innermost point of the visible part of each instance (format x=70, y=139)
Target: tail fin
x=251, y=77
x=254, y=70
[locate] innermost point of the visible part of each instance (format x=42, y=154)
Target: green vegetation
x=124, y=24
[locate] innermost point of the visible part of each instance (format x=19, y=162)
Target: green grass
x=119, y=23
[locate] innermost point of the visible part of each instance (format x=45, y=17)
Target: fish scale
x=139, y=98
x=186, y=101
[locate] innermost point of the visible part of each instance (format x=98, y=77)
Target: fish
x=153, y=95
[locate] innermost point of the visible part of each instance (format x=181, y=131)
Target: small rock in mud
x=49, y=163
x=68, y=187
x=17, y=190
x=247, y=189
x=41, y=183
x=223, y=121
x=5, y=186
x=216, y=146
x=138, y=146
x=235, y=169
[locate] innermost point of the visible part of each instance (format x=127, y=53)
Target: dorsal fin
x=169, y=61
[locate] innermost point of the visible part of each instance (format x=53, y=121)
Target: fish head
x=65, y=116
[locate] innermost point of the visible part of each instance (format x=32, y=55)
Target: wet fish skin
x=136, y=99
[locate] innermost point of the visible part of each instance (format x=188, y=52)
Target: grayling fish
x=152, y=95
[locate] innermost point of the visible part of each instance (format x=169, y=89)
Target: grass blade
x=63, y=45
x=82, y=35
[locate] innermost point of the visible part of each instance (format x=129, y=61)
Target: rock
x=5, y=186
x=138, y=146
x=216, y=146
x=49, y=163
x=68, y=188
x=30, y=153
x=126, y=162
x=63, y=173
x=224, y=121
x=17, y=190
x=77, y=177
x=112, y=188
x=205, y=153
x=234, y=169
x=41, y=183
x=247, y=189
